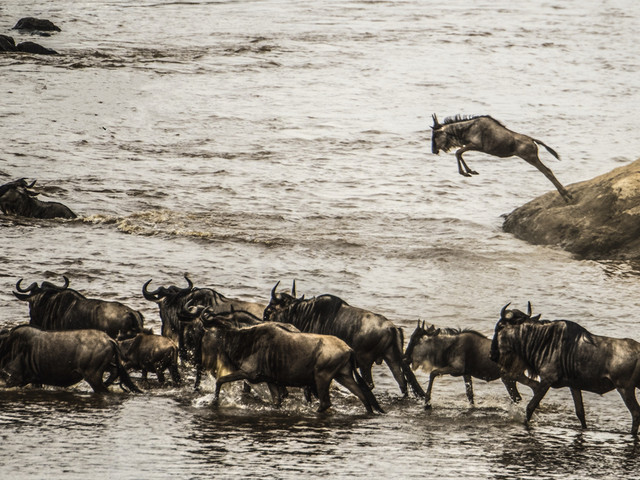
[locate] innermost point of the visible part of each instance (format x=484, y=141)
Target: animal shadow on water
x=487, y=135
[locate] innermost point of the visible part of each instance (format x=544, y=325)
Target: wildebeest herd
x=307, y=343
x=304, y=343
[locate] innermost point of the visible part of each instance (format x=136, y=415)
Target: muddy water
x=250, y=142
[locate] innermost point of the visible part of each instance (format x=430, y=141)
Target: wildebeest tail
x=122, y=372
x=406, y=368
x=549, y=149
x=371, y=398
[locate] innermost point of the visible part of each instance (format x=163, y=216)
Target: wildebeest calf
x=458, y=353
x=152, y=353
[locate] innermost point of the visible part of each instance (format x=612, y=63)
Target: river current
x=250, y=142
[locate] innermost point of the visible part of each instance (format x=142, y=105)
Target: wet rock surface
x=602, y=221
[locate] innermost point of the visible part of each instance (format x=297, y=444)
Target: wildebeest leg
x=466, y=171
x=348, y=382
x=538, y=394
x=628, y=394
x=175, y=374
x=396, y=369
x=546, y=171
x=512, y=389
x=276, y=396
x=365, y=371
x=196, y=385
x=323, y=381
x=231, y=377
x=469, y=387
x=577, y=401
x=95, y=381
x=160, y=375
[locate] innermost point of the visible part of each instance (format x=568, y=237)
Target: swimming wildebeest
x=487, y=135
x=372, y=337
x=564, y=354
x=18, y=198
x=30, y=355
x=151, y=353
x=458, y=353
x=173, y=300
x=54, y=307
x=272, y=353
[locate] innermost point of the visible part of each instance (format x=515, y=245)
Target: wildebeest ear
x=536, y=318
x=438, y=331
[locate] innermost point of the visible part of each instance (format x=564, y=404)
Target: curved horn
x=21, y=296
x=189, y=282
x=436, y=124
x=151, y=296
x=293, y=289
x=504, y=309
x=25, y=290
x=528, y=309
x=273, y=290
x=66, y=283
x=32, y=184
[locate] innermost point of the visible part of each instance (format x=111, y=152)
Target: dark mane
x=458, y=331
x=463, y=118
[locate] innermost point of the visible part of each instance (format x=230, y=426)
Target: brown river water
x=246, y=142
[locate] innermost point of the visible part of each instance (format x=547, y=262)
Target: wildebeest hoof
x=427, y=406
x=473, y=172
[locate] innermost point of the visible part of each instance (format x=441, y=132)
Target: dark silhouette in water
x=487, y=135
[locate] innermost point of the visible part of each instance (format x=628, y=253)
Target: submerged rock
x=31, y=23
x=31, y=47
x=602, y=221
x=7, y=44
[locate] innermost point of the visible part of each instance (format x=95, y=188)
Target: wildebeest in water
x=485, y=134
x=565, y=354
x=151, y=353
x=18, y=198
x=29, y=355
x=272, y=353
x=173, y=300
x=456, y=352
x=53, y=307
x=373, y=337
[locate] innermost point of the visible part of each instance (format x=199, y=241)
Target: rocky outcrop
x=601, y=222
x=7, y=44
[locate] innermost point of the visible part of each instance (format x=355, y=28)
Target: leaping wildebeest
x=173, y=300
x=372, y=337
x=29, y=355
x=53, y=307
x=564, y=354
x=485, y=134
x=18, y=198
x=456, y=352
x=272, y=353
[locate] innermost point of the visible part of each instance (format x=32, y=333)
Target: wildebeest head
x=509, y=317
x=418, y=334
x=280, y=301
x=32, y=290
x=440, y=140
x=13, y=194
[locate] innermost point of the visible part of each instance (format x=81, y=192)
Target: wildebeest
x=372, y=337
x=54, y=307
x=207, y=349
x=31, y=23
x=272, y=353
x=458, y=353
x=173, y=300
x=18, y=198
x=31, y=355
x=151, y=353
x=485, y=134
x=565, y=354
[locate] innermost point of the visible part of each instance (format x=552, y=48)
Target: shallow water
x=250, y=142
